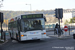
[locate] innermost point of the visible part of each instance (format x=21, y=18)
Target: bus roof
x=19, y=16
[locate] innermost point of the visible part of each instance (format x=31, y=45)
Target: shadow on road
x=32, y=41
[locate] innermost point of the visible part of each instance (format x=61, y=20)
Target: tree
x=66, y=22
x=6, y=22
x=72, y=20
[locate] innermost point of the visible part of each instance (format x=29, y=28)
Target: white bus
x=27, y=27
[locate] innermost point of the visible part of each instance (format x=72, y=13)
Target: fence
x=51, y=27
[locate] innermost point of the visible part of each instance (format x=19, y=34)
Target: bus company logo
x=33, y=32
x=11, y=20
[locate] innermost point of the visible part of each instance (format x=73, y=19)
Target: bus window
x=35, y=24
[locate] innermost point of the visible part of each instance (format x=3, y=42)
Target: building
x=66, y=17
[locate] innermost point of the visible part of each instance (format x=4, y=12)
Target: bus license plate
x=34, y=38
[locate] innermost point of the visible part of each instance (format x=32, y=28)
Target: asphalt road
x=46, y=44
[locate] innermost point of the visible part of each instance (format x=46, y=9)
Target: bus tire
x=16, y=37
x=10, y=36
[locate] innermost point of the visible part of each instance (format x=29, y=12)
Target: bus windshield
x=32, y=24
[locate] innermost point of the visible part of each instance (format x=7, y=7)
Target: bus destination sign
x=30, y=16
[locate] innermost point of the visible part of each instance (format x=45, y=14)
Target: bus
x=27, y=27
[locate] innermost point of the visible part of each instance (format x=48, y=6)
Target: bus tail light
x=44, y=33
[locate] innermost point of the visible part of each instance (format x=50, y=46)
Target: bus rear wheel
x=16, y=36
x=11, y=36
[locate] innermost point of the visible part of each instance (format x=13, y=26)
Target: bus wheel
x=10, y=36
x=16, y=36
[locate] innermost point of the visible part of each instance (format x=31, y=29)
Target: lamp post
x=1, y=14
x=30, y=6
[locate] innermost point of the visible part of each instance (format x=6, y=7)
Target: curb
x=4, y=42
x=61, y=37
x=64, y=37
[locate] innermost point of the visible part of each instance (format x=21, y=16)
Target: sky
x=20, y=5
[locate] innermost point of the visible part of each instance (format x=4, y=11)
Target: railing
x=51, y=27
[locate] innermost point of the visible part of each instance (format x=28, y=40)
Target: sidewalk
x=7, y=38
x=63, y=36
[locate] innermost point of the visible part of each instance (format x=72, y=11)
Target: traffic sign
x=65, y=28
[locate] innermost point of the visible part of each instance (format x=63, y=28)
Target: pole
x=6, y=25
x=59, y=23
x=1, y=22
x=69, y=30
x=59, y=30
x=1, y=31
x=4, y=37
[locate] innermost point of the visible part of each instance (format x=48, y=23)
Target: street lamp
x=30, y=6
x=0, y=16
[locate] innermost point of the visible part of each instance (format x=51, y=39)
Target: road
x=52, y=43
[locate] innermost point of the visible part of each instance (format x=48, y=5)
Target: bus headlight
x=23, y=35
